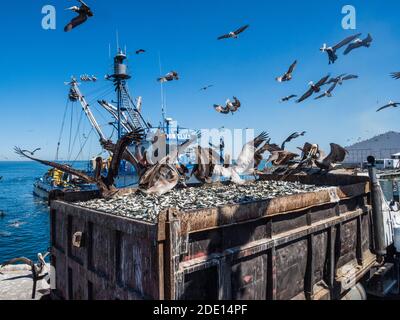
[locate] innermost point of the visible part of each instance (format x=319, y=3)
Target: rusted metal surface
x=307, y=246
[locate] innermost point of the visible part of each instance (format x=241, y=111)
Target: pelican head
x=74, y=8
x=324, y=47
x=311, y=84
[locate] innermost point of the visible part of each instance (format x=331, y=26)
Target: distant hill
x=381, y=147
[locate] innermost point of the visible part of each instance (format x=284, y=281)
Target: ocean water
x=24, y=224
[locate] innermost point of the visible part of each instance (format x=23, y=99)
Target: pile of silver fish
x=148, y=207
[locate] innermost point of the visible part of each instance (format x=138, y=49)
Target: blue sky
x=35, y=63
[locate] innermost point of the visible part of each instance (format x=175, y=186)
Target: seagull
x=395, y=75
x=327, y=93
x=343, y=77
x=234, y=34
x=331, y=51
x=314, y=88
x=292, y=137
x=84, y=12
x=391, y=104
x=32, y=152
x=206, y=87
x=104, y=184
x=36, y=269
x=338, y=154
x=288, y=98
x=358, y=43
x=288, y=75
x=171, y=76
x=140, y=51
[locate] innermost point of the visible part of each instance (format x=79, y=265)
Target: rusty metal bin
x=306, y=246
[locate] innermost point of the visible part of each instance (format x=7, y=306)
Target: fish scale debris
x=148, y=207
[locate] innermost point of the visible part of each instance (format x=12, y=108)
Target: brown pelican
x=395, y=75
x=105, y=184
x=314, y=88
x=327, y=93
x=140, y=51
x=234, y=105
x=343, y=77
x=288, y=75
x=234, y=34
x=358, y=43
x=206, y=160
x=36, y=269
x=84, y=12
x=206, y=87
x=328, y=163
x=288, y=98
x=331, y=51
x=32, y=152
x=293, y=136
x=171, y=76
x=391, y=104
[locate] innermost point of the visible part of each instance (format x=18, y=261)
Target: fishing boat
x=126, y=115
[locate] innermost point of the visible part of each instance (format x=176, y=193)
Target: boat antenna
x=117, y=36
x=162, y=90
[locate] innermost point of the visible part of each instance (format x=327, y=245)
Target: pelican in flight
x=288, y=98
x=341, y=78
x=140, y=51
x=293, y=136
x=358, y=43
x=206, y=87
x=314, y=88
x=288, y=75
x=327, y=93
x=391, y=104
x=331, y=51
x=337, y=155
x=171, y=76
x=395, y=75
x=32, y=152
x=84, y=12
x=234, y=105
x=234, y=34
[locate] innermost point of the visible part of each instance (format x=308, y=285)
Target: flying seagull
x=288, y=75
x=327, y=93
x=84, y=12
x=36, y=269
x=395, y=75
x=206, y=87
x=314, y=88
x=140, y=51
x=331, y=51
x=288, y=98
x=171, y=76
x=292, y=137
x=391, y=104
x=32, y=153
x=358, y=43
x=234, y=34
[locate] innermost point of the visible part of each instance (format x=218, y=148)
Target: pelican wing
x=346, y=41
x=119, y=150
x=352, y=46
x=81, y=18
x=225, y=36
x=322, y=81
x=61, y=167
x=395, y=75
x=292, y=67
x=306, y=95
x=338, y=154
x=350, y=76
x=240, y=30
x=390, y=105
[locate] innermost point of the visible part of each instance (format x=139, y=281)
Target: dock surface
x=16, y=284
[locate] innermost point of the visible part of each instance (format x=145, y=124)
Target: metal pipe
x=377, y=214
